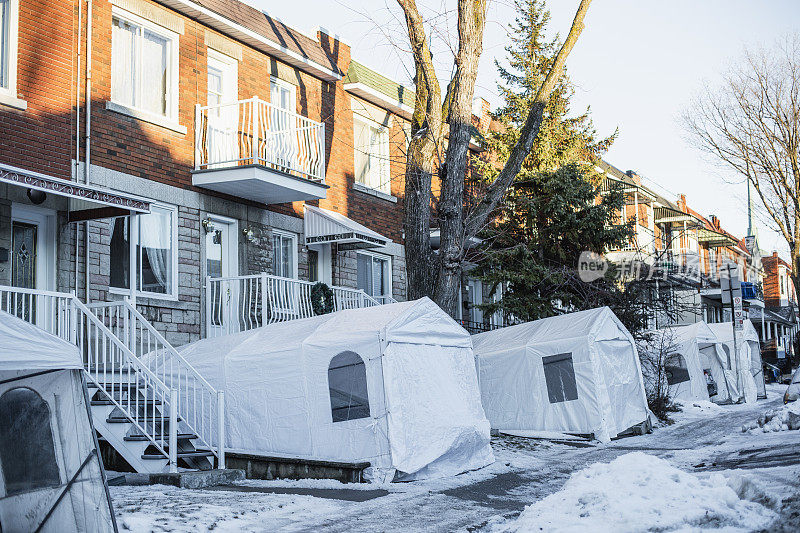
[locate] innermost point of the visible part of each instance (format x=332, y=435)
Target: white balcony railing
x=241, y=303
x=255, y=132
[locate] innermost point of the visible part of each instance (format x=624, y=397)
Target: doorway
x=222, y=261
x=33, y=253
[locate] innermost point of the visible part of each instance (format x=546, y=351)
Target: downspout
x=87, y=135
x=78, y=128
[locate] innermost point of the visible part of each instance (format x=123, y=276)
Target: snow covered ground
x=701, y=473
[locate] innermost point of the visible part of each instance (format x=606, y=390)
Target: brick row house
x=778, y=322
x=222, y=165
x=687, y=252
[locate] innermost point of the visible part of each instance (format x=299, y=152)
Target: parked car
x=772, y=374
x=710, y=383
x=793, y=390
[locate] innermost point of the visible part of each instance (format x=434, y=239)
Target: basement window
x=27, y=452
x=347, y=383
x=559, y=375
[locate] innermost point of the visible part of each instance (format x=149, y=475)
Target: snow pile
x=781, y=419
x=640, y=492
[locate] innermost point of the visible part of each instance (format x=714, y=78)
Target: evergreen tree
x=555, y=210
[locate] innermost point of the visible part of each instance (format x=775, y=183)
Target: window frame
x=230, y=73
x=294, y=258
x=383, y=257
x=171, y=117
x=362, y=363
x=133, y=243
x=286, y=85
x=8, y=93
x=384, y=181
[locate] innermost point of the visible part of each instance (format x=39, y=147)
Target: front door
x=223, y=112
x=32, y=255
x=221, y=264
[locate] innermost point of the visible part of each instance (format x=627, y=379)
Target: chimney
x=637, y=179
x=481, y=110
x=775, y=254
x=682, y=202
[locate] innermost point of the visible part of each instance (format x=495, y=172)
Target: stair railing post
x=264, y=298
x=221, y=430
x=173, y=430
x=209, y=306
x=72, y=309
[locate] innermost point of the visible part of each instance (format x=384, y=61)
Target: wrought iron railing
x=255, y=132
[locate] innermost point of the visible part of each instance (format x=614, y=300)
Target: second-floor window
x=8, y=45
x=371, y=143
x=144, y=66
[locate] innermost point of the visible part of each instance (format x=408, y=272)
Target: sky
x=637, y=65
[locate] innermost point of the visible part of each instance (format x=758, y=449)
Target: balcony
x=241, y=303
x=254, y=150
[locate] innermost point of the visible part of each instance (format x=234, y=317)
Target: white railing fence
x=200, y=405
x=113, y=361
x=255, y=132
x=241, y=303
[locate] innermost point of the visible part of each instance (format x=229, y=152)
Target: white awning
x=323, y=226
x=86, y=201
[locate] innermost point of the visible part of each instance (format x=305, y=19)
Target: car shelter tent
x=748, y=368
x=695, y=349
x=575, y=373
x=394, y=385
x=52, y=478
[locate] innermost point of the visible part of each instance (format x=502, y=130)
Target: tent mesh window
x=559, y=374
x=27, y=454
x=676, y=369
x=347, y=382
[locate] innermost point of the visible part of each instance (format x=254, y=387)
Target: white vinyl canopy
x=748, y=369
x=574, y=373
x=52, y=478
x=394, y=385
x=700, y=350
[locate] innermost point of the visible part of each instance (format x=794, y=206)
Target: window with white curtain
x=9, y=13
x=143, y=70
x=153, y=240
x=374, y=274
x=284, y=254
x=371, y=148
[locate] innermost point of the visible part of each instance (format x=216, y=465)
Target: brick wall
x=41, y=137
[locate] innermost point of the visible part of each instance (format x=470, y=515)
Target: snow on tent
x=793, y=390
x=747, y=365
x=394, y=385
x=52, y=478
x=577, y=373
x=695, y=352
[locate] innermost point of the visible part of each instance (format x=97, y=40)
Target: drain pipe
x=87, y=134
x=78, y=129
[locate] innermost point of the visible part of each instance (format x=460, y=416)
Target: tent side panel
x=623, y=382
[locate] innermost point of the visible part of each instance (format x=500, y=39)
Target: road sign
x=750, y=243
x=731, y=288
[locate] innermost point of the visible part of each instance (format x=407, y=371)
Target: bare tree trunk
x=471, y=20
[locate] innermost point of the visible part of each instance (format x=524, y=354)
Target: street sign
x=729, y=283
x=750, y=243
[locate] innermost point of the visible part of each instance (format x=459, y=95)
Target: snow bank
x=698, y=407
x=638, y=492
x=781, y=419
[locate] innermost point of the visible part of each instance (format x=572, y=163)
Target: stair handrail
x=179, y=382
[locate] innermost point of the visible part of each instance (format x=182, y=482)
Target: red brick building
x=220, y=143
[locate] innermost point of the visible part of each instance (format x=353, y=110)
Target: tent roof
x=698, y=330
x=24, y=346
x=420, y=321
x=572, y=325
x=724, y=331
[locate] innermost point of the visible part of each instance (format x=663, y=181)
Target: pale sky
x=637, y=64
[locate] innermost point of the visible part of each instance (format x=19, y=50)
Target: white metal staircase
x=147, y=402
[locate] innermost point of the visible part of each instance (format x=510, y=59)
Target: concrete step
x=181, y=455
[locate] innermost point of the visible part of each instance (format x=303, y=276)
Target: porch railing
x=113, y=364
x=199, y=404
x=255, y=132
x=241, y=303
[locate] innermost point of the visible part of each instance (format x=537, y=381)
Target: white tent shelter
x=52, y=477
x=394, y=385
x=576, y=373
x=748, y=368
x=696, y=351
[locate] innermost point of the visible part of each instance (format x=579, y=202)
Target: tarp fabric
x=747, y=371
x=46, y=436
x=574, y=373
x=425, y=417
